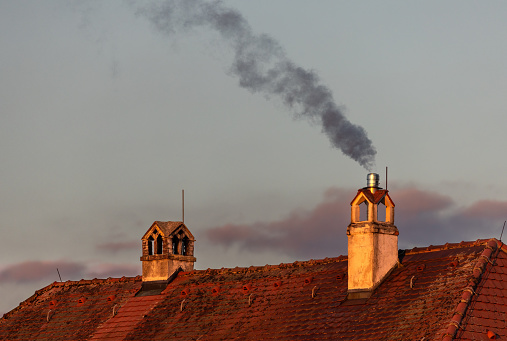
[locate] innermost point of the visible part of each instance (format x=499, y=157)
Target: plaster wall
x=161, y=269
x=372, y=253
x=156, y=270
x=360, y=261
x=386, y=257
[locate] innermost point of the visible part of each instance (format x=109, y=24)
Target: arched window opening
x=159, y=245
x=184, y=246
x=151, y=245
x=381, y=212
x=363, y=211
x=176, y=241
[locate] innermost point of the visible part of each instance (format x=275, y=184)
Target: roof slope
x=298, y=301
x=488, y=304
x=55, y=313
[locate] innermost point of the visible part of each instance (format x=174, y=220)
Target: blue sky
x=104, y=120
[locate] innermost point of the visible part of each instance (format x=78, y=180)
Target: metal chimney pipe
x=372, y=181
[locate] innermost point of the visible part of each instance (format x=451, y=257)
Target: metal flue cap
x=372, y=180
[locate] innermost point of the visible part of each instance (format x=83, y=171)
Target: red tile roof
x=38, y=319
x=452, y=291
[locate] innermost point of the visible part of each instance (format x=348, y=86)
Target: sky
x=108, y=110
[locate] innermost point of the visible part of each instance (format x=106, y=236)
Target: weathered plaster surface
x=372, y=253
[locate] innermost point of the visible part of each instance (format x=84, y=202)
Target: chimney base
x=359, y=294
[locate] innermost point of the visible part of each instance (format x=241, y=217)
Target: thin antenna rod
x=386, y=177
x=183, y=206
x=61, y=276
x=502, y=230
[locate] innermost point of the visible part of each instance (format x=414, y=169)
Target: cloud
x=425, y=218
x=487, y=209
x=304, y=232
x=415, y=201
x=31, y=271
x=114, y=247
x=422, y=217
x=105, y=270
x=45, y=271
x=21, y=279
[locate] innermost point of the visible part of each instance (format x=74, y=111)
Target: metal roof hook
x=313, y=291
x=114, y=310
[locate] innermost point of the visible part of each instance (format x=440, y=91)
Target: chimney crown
x=372, y=181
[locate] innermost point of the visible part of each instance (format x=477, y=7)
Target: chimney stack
x=372, y=240
x=168, y=247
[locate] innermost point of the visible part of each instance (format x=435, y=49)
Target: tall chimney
x=372, y=242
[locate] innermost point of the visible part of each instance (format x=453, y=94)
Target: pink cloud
x=114, y=247
x=304, y=232
x=487, y=209
x=416, y=201
x=31, y=271
x=36, y=271
x=422, y=217
x=105, y=270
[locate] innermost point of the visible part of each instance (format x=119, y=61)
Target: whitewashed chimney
x=372, y=239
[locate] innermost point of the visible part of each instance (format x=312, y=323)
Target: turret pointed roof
x=168, y=228
x=373, y=198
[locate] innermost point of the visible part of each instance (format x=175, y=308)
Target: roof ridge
x=415, y=250
x=447, y=246
x=294, y=264
x=96, y=280
x=458, y=316
x=169, y=221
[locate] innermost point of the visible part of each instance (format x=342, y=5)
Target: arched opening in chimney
x=159, y=245
x=381, y=212
x=184, y=246
x=175, y=243
x=363, y=211
x=151, y=245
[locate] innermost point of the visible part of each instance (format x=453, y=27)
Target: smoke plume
x=262, y=66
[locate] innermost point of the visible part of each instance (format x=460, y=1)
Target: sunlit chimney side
x=372, y=239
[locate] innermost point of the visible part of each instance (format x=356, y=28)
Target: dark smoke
x=262, y=66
